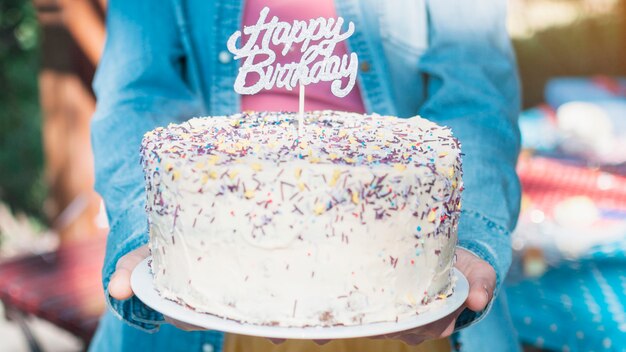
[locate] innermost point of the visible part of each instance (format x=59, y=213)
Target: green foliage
x=21, y=156
x=594, y=45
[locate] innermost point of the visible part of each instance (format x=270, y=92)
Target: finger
x=276, y=341
x=481, y=277
x=480, y=293
x=321, y=342
x=440, y=328
x=449, y=329
x=119, y=285
x=412, y=339
x=378, y=337
x=133, y=258
x=426, y=332
x=410, y=336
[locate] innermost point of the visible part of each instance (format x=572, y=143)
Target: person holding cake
x=425, y=58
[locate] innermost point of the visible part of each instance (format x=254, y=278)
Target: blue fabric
x=608, y=251
x=576, y=306
x=113, y=335
x=161, y=64
x=493, y=333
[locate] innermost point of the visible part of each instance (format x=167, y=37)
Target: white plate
x=142, y=285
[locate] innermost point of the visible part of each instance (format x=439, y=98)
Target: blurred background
x=567, y=286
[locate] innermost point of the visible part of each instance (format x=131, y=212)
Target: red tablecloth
x=63, y=287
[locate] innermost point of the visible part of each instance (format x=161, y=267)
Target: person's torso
x=390, y=38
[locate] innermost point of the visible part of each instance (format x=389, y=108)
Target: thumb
x=119, y=286
x=481, y=277
x=480, y=293
x=321, y=342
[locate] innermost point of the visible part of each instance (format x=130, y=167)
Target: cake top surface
x=329, y=137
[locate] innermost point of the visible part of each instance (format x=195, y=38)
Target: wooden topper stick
x=318, y=39
x=301, y=115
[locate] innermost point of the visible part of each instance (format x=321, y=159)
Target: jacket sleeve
x=139, y=85
x=472, y=87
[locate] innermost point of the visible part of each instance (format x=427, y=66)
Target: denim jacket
x=447, y=60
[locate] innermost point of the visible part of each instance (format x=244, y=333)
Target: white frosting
x=354, y=222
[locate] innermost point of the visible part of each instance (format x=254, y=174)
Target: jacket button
x=207, y=347
x=365, y=66
x=224, y=57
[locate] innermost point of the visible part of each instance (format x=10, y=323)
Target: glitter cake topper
x=318, y=38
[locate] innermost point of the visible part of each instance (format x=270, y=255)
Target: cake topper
x=318, y=38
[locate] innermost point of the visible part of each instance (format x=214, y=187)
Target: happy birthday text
x=318, y=39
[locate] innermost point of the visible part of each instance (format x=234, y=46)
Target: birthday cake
x=351, y=222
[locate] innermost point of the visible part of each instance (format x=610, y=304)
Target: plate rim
x=143, y=287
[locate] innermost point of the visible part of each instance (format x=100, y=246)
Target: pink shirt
x=318, y=96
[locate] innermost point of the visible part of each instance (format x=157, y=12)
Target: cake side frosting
x=353, y=222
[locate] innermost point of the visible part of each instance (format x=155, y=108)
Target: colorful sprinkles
x=203, y=151
x=346, y=171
